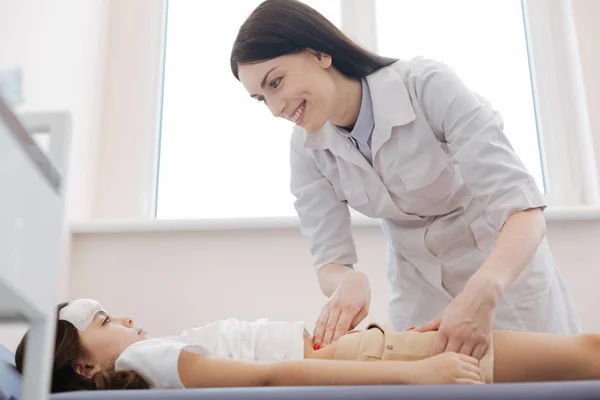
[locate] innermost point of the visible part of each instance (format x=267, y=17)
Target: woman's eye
x=106, y=321
x=275, y=82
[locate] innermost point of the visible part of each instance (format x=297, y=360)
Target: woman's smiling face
x=298, y=87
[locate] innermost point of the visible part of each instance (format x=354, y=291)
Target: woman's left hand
x=465, y=326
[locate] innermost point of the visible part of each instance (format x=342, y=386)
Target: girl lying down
x=96, y=351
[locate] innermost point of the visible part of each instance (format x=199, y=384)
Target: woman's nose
x=277, y=108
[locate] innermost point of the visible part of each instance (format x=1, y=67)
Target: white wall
x=60, y=46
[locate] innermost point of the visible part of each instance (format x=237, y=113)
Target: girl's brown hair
x=280, y=27
x=66, y=351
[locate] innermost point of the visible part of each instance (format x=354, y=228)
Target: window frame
x=551, y=39
x=554, y=59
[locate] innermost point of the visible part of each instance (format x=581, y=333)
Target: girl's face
x=104, y=340
x=298, y=87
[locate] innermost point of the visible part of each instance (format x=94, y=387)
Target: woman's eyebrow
x=264, y=81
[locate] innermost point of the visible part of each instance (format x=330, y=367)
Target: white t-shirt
x=156, y=359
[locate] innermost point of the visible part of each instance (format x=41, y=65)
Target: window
x=222, y=155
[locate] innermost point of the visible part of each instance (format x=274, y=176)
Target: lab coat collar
x=391, y=107
x=391, y=101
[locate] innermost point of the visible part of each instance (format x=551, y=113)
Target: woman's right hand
x=347, y=306
x=445, y=368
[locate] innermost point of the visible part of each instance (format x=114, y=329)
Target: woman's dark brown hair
x=66, y=351
x=280, y=27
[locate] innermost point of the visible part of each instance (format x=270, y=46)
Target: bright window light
x=222, y=154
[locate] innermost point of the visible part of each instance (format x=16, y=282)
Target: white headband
x=80, y=313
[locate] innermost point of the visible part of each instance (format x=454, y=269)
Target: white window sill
x=187, y=225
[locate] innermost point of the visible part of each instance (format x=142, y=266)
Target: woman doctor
x=409, y=143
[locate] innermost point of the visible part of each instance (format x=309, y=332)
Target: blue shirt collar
x=366, y=121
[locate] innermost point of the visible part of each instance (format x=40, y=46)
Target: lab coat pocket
x=429, y=174
x=352, y=188
x=484, y=235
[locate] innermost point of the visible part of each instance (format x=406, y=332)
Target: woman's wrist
x=356, y=275
x=333, y=275
x=486, y=286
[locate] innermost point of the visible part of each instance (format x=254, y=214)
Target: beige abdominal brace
x=383, y=343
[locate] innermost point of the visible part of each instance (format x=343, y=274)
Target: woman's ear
x=323, y=59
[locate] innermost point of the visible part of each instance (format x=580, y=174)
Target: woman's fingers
x=479, y=350
x=320, y=325
x=466, y=349
x=331, y=325
x=347, y=306
x=335, y=323
x=364, y=311
x=453, y=345
x=344, y=323
x=430, y=326
x=439, y=345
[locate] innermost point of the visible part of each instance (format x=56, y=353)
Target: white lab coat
x=444, y=180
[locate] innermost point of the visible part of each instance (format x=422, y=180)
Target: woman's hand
x=347, y=306
x=465, y=326
x=445, y=368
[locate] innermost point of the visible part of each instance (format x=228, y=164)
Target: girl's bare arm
x=197, y=371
